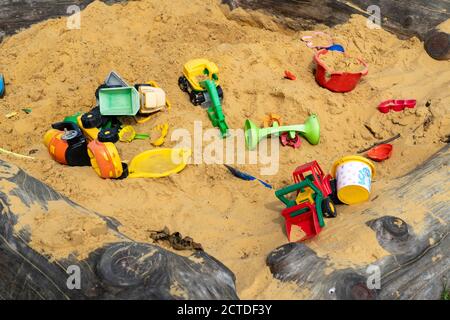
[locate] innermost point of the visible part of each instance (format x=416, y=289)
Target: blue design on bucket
x=364, y=177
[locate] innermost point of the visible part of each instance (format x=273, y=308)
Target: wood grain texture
x=18, y=14
x=403, y=17
x=416, y=267
x=121, y=270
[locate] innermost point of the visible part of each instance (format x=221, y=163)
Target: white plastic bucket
x=354, y=179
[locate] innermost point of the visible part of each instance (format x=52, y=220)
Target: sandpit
x=55, y=71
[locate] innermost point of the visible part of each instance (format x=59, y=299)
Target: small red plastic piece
x=289, y=75
x=396, y=105
x=287, y=141
x=337, y=81
x=381, y=152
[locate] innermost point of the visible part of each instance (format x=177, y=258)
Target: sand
x=339, y=62
x=55, y=71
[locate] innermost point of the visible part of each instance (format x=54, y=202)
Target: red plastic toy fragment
x=396, y=105
x=381, y=152
x=289, y=75
x=287, y=141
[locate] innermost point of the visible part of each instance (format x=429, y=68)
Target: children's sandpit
x=54, y=72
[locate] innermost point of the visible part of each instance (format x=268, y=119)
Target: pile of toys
x=89, y=139
x=315, y=195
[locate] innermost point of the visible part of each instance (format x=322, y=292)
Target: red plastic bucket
x=337, y=81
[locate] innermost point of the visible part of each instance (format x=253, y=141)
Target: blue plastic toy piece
x=2, y=85
x=245, y=176
x=336, y=47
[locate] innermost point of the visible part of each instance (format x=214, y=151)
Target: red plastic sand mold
x=396, y=105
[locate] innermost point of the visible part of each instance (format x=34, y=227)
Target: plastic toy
x=269, y=120
x=310, y=130
x=2, y=86
x=128, y=134
x=153, y=98
x=119, y=101
x=114, y=80
x=337, y=81
x=381, y=152
x=215, y=112
x=194, y=73
x=108, y=135
x=73, y=118
x=105, y=160
x=313, y=200
x=289, y=75
x=245, y=176
x=354, y=178
x=396, y=105
x=336, y=47
x=158, y=163
x=286, y=140
x=310, y=40
x=89, y=123
x=160, y=131
x=67, y=145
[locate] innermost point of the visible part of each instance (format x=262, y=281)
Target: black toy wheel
x=91, y=120
x=333, y=195
x=125, y=172
x=328, y=208
x=108, y=135
x=220, y=92
x=183, y=84
x=197, y=98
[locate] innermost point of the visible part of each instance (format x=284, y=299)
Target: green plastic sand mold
x=310, y=130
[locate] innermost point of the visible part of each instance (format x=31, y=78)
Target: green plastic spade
x=310, y=130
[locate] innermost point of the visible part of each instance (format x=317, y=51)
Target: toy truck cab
x=194, y=73
x=314, y=172
x=151, y=98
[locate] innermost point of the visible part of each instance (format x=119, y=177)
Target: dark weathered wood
x=18, y=14
x=122, y=270
x=416, y=268
x=403, y=17
x=437, y=45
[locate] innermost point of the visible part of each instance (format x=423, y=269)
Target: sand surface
x=55, y=71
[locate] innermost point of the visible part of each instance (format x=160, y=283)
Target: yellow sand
x=55, y=71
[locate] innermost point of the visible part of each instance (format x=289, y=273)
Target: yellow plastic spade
x=158, y=163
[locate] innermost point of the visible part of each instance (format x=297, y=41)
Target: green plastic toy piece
x=318, y=198
x=73, y=118
x=215, y=112
x=310, y=130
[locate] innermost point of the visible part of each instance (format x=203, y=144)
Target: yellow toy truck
x=196, y=72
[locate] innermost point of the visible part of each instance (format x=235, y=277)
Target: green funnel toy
x=310, y=130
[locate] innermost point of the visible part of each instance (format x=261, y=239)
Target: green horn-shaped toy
x=310, y=130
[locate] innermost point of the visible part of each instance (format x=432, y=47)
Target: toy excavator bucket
x=306, y=220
